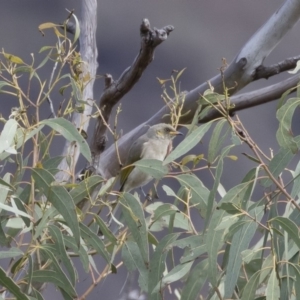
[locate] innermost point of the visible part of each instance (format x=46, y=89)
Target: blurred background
x=205, y=32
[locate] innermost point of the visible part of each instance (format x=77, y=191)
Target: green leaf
x=199, y=192
x=135, y=220
x=194, y=247
x=58, y=279
x=77, y=29
x=62, y=201
x=210, y=97
x=14, y=59
x=69, y=132
x=23, y=69
x=51, y=164
x=61, y=249
x=188, y=143
x=3, y=189
x=278, y=164
x=273, y=291
x=94, y=240
x=43, y=180
x=164, y=210
x=22, y=208
x=75, y=89
x=152, y=167
x=289, y=226
x=216, y=140
x=4, y=83
x=105, y=230
x=8, y=283
x=284, y=115
x=180, y=221
x=251, y=287
x=214, y=242
x=7, y=136
x=157, y=264
x=133, y=260
x=12, y=252
x=85, y=188
x=239, y=243
x=14, y=210
x=81, y=252
x=59, y=197
x=195, y=281
x=296, y=184
x=175, y=274
x=213, y=191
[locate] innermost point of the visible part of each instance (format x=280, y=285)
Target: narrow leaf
x=8, y=283
x=8, y=134
x=188, y=143
x=61, y=249
x=12, y=252
x=62, y=201
x=195, y=281
x=273, y=291
x=94, y=240
x=216, y=140
x=239, y=243
x=69, y=132
x=251, y=287
x=135, y=220
x=199, y=192
x=152, y=167
x=175, y=274
x=289, y=226
x=284, y=115
x=133, y=261
x=278, y=164
x=55, y=278
x=157, y=264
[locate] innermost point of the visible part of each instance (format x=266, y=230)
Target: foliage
x=247, y=248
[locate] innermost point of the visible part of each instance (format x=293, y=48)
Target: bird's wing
x=135, y=153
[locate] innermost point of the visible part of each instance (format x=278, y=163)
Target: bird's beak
x=175, y=133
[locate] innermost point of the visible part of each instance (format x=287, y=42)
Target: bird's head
x=162, y=131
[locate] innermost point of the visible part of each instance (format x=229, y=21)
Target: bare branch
x=257, y=97
x=266, y=72
x=239, y=74
x=115, y=90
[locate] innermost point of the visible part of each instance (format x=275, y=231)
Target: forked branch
x=115, y=90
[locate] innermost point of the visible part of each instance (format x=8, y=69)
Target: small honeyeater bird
x=156, y=143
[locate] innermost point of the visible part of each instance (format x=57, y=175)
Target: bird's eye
x=167, y=129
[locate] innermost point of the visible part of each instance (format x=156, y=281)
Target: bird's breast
x=155, y=149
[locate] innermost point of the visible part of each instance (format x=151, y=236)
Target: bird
x=156, y=143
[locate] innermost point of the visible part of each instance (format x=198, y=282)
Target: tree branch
x=239, y=73
x=115, y=90
x=257, y=97
x=89, y=54
x=266, y=72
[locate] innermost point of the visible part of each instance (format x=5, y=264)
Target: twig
x=266, y=72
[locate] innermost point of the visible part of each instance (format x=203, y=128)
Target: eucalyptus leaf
x=157, y=264
x=133, y=261
x=135, y=220
x=284, y=115
x=8, y=135
x=188, y=143
x=152, y=167
x=69, y=132
x=195, y=281
x=8, y=283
